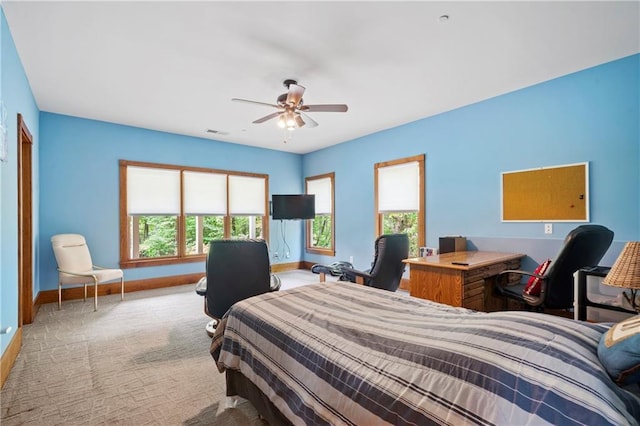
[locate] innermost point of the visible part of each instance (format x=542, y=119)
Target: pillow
x=534, y=285
x=619, y=351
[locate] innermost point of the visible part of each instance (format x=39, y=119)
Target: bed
x=341, y=353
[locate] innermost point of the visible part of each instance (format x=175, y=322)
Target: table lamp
x=625, y=272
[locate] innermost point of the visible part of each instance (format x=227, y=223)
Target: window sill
x=161, y=261
x=321, y=251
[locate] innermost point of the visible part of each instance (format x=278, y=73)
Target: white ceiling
x=174, y=66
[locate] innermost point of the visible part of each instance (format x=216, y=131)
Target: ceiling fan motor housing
x=282, y=101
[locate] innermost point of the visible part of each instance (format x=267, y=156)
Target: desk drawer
x=474, y=295
x=486, y=271
x=473, y=289
x=476, y=303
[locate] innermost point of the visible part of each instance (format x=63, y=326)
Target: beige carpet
x=143, y=361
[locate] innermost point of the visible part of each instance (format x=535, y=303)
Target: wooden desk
x=471, y=286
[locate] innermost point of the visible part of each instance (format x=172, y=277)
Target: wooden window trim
x=331, y=251
x=182, y=257
x=421, y=213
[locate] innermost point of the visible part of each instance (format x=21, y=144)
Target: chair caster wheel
x=210, y=328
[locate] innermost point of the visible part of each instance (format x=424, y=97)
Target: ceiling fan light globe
x=281, y=122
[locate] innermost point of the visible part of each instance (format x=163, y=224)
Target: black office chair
x=387, y=267
x=583, y=246
x=236, y=270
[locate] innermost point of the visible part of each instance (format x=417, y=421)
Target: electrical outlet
x=548, y=228
x=275, y=255
x=351, y=260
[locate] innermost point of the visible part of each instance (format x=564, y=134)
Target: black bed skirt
x=238, y=384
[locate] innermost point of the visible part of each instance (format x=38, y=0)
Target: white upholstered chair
x=75, y=266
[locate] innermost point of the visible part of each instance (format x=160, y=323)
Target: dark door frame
x=25, y=224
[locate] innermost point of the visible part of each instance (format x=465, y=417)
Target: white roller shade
x=246, y=195
x=152, y=191
x=322, y=190
x=204, y=193
x=399, y=188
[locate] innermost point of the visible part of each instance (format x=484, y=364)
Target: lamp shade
x=625, y=272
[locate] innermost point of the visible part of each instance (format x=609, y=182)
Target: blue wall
x=590, y=116
x=79, y=184
x=16, y=96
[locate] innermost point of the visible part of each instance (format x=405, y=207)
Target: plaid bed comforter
x=340, y=353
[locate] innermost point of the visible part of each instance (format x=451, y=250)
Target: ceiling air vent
x=217, y=132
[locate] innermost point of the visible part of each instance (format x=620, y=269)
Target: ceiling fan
x=291, y=109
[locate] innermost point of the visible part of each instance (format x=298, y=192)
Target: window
x=169, y=214
x=321, y=229
x=205, y=206
x=399, y=200
x=246, y=211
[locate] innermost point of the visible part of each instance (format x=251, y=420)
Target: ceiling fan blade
x=325, y=108
x=254, y=102
x=294, y=96
x=310, y=121
x=267, y=117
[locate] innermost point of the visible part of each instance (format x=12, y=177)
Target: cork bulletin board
x=557, y=193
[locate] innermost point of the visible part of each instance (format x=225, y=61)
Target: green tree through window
x=322, y=231
x=403, y=223
x=157, y=236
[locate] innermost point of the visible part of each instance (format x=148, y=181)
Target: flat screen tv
x=302, y=206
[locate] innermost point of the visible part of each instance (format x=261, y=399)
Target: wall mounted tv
x=302, y=206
